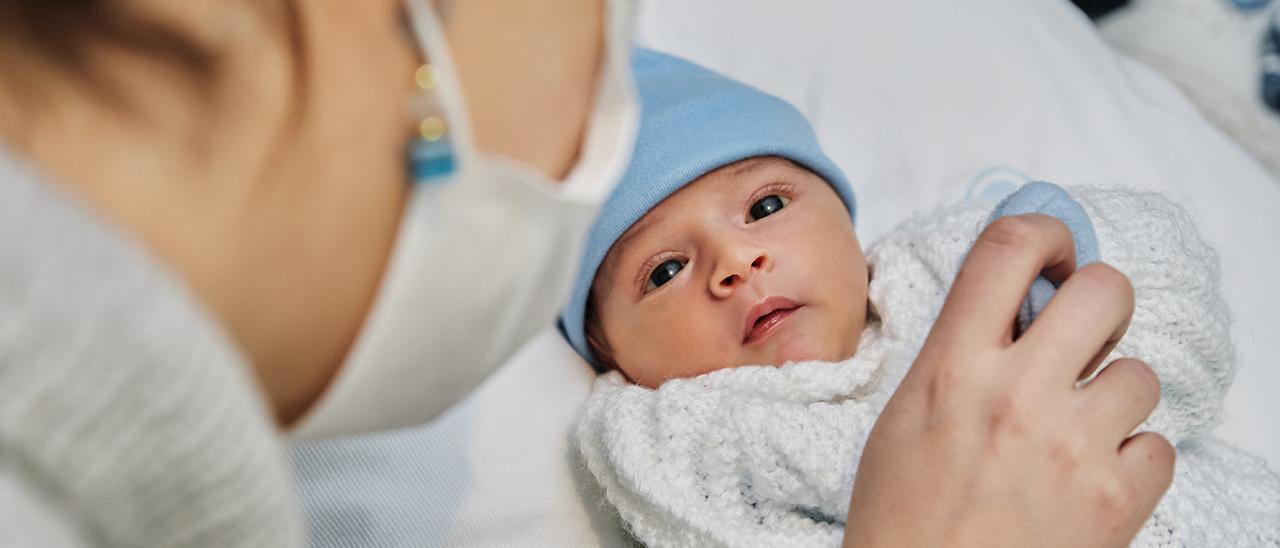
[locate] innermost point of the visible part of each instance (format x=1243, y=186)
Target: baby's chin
x=804, y=348
x=784, y=349
x=813, y=334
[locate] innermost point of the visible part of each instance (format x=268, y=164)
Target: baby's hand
x=987, y=442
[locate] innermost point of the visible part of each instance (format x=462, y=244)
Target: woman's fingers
x=983, y=302
x=1119, y=399
x=1082, y=322
x=1147, y=460
x=964, y=419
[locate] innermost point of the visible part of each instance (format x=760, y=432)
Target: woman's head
x=250, y=146
x=257, y=148
x=731, y=204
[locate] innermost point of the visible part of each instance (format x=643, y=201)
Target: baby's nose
x=731, y=279
x=739, y=270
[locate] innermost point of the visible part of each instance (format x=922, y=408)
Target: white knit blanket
x=765, y=456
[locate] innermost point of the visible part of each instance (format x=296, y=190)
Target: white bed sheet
x=914, y=100
x=1210, y=49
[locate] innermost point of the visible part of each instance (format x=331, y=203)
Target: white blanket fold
x=765, y=456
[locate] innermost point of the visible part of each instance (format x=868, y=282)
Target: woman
x=205, y=215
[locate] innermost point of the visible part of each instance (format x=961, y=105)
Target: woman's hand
x=987, y=442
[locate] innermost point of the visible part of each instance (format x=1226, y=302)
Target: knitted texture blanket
x=766, y=456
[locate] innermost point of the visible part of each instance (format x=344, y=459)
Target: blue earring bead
x=430, y=161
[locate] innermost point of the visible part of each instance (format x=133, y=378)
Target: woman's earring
x=430, y=154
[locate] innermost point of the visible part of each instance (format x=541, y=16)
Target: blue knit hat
x=692, y=121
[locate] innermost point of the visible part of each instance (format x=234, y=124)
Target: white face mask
x=483, y=259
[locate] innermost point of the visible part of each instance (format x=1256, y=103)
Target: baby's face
x=755, y=263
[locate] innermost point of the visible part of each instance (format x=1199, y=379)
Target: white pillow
x=914, y=100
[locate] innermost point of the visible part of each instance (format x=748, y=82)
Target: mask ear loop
x=441, y=134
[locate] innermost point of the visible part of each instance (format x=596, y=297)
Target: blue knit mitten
x=1049, y=199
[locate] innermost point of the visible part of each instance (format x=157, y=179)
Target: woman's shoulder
x=61, y=259
x=67, y=271
x=112, y=377
x=30, y=518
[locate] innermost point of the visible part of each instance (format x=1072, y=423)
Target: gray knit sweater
x=126, y=416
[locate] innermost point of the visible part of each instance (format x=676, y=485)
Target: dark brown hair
x=65, y=32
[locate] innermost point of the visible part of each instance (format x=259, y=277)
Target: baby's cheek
x=679, y=348
x=703, y=351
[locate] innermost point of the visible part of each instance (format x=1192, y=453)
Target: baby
x=749, y=345
x=725, y=272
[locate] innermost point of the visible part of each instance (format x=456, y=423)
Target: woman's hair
x=64, y=32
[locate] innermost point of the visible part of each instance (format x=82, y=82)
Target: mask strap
x=441, y=138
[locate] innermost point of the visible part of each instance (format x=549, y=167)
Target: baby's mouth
x=763, y=318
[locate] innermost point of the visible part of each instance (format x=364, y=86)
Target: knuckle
x=1066, y=452
x=1147, y=385
x=941, y=386
x=1161, y=455
x=1015, y=232
x=1011, y=415
x=1002, y=415
x=1114, y=496
x=1105, y=280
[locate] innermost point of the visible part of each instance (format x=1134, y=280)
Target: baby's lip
x=761, y=309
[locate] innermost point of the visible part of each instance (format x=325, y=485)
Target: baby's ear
x=604, y=358
x=596, y=342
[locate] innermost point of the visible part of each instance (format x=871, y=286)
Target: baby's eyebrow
x=637, y=230
x=748, y=166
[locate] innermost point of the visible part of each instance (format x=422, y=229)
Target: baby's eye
x=766, y=206
x=663, y=274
